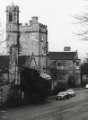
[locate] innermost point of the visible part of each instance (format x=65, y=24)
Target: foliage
x=34, y=86
x=84, y=68
x=60, y=87
x=71, y=81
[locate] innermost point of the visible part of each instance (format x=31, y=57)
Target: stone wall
x=4, y=93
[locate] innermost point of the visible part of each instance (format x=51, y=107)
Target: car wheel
x=64, y=97
x=56, y=98
x=60, y=98
x=73, y=95
x=69, y=96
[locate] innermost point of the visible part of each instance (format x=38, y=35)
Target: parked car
x=71, y=92
x=62, y=95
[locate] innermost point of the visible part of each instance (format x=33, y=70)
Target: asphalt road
x=75, y=108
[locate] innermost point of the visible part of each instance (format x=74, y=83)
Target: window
x=59, y=64
x=10, y=17
x=42, y=38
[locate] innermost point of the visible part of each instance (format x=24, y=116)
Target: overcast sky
x=57, y=15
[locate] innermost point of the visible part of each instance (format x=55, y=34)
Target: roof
x=62, y=55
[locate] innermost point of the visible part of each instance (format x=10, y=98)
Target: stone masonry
x=32, y=37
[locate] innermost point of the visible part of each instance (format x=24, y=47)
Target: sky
x=58, y=15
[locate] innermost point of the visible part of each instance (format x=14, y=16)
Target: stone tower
x=12, y=25
x=33, y=42
x=43, y=47
x=12, y=32
x=32, y=38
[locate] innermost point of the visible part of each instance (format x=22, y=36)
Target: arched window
x=10, y=17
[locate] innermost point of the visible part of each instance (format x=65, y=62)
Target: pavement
x=75, y=108
x=75, y=89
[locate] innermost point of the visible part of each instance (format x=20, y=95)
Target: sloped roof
x=62, y=55
x=46, y=76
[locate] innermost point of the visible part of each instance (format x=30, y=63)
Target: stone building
x=32, y=38
x=63, y=66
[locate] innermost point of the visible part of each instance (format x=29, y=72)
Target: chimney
x=67, y=48
x=34, y=19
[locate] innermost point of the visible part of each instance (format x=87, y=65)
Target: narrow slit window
x=10, y=17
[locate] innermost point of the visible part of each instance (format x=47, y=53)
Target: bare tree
x=2, y=41
x=83, y=21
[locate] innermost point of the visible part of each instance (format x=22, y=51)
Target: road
x=75, y=108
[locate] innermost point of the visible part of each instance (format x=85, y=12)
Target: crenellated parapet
x=27, y=28
x=33, y=26
x=42, y=28
x=12, y=7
